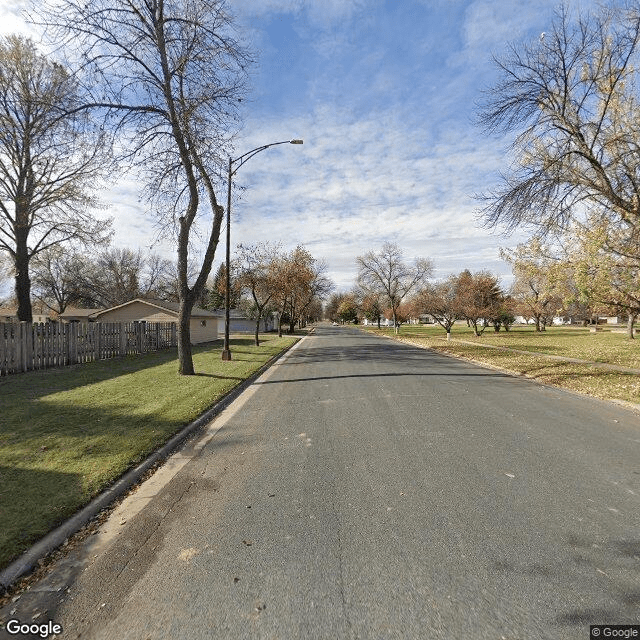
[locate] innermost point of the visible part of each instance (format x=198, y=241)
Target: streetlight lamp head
x=296, y=141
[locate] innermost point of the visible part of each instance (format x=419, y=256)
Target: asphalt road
x=368, y=489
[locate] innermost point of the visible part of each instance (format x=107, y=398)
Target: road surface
x=369, y=489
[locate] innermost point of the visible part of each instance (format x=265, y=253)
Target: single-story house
x=73, y=314
x=39, y=312
x=384, y=322
x=204, y=324
x=556, y=320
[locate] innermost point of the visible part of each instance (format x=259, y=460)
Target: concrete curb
x=54, y=539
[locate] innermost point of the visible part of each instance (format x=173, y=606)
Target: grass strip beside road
x=66, y=434
x=604, y=346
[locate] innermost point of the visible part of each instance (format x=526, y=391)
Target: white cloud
x=12, y=19
x=389, y=151
x=354, y=185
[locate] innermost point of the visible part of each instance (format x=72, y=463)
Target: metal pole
x=226, y=352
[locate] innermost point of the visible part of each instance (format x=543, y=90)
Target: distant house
x=384, y=322
x=239, y=323
x=8, y=314
x=204, y=324
x=73, y=314
x=39, y=312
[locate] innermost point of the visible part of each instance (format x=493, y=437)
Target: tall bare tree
x=385, y=273
x=118, y=274
x=50, y=162
x=169, y=75
x=57, y=275
x=572, y=98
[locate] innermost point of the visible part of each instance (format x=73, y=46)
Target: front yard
x=66, y=434
x=605, y=346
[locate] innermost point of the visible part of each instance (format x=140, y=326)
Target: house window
x=203, y=323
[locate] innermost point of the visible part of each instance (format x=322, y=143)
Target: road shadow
x=379, y=351
x=481, y=374
x=614, y=560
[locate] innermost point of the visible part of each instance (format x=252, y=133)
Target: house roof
x=162, y=305
x=78, y=313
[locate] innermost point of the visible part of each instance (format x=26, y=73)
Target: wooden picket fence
x=25, y=346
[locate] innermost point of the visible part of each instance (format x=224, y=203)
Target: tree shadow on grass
x=559, y=372
x=66, y=378
x=33, y=502
x=213, y=375
x=47, y=476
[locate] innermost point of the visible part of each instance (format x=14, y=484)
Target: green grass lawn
x=67, y=433
x=604, y=346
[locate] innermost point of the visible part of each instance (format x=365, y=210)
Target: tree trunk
x=537, y=321
x=22, y=281
x=378, y=322
x=630, y=322
x=258, y=331
x=185, y=359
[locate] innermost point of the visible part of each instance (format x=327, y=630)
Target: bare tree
x=385, y=273
x=118, y=274
x=169, y=76
x=319, y=287
x=57, y=274
x=50, y=162
x=572, y=98
x=255, y=269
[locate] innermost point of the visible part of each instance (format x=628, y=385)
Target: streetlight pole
x=226, y=351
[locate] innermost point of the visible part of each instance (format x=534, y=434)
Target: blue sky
x=383, y=92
